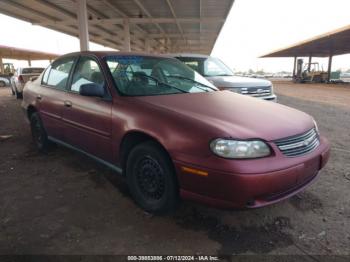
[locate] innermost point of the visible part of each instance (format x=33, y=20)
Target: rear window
x=32, y=70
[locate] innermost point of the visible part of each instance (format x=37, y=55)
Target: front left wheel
x=151, y=178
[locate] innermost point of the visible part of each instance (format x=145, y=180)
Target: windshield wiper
x=194, y=81
x=181, y=90
x=162, y=83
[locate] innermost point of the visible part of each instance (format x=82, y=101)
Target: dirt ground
x=64, y=203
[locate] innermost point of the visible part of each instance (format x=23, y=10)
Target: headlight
x=239, y=149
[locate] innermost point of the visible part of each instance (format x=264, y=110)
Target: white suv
x=214, y=70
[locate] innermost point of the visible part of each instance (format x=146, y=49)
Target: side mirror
x=92, y=89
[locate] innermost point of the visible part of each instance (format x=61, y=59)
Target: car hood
x=238, y=81
x=228, y=114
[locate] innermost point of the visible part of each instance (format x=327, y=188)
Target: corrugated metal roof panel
x=193, y=23
x=335, y=42
x=24, y=54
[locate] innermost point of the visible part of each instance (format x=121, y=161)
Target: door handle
x=38, y=97
x=67, y=103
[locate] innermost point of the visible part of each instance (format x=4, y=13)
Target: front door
x=87, y=120
x=52, y=94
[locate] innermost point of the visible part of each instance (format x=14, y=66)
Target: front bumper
x=272, y=98
x=228, y=190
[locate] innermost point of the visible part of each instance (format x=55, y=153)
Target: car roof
x=101, y=54
x=188, y=55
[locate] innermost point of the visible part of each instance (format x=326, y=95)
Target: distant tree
x=251, y=71
x=347, y=71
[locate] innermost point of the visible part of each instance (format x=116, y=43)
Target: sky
x=257, y=27
x=17, y=33
x=253, y=28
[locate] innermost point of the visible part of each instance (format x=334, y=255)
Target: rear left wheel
x=151, y=178
x=18, y=94
x=39, y=134
x=2, y=84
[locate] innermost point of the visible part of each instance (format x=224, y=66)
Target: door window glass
x=46, y=75
x=59, y=72
x=193, y=64
x=86, y=72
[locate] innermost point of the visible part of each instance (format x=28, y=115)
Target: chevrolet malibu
x=171, y=133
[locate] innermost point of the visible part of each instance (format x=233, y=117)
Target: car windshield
x=207, y=66
x=146, y=75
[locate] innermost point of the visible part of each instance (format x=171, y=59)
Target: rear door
x=53, y=93
x=87, y=120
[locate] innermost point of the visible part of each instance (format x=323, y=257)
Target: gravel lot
x=64, y=203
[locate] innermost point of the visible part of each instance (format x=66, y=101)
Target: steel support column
x=294, y=66
x=309, y=65
x=127, y=46
x=29, y=62
x=329, y=67
x=83, y=25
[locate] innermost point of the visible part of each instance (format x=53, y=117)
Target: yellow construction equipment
x=311, y=72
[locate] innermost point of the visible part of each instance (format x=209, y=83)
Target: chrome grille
x=300, y=144
x=256, y=91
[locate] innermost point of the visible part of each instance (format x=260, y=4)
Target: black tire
x=151, y=178
x=41, y=141
x=18, y=95
x=2, y=84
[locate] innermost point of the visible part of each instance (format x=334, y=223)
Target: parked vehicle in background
x=21, y=77
x=345, y=77
x=310, y=73
x=4, y=82
x=223, y=78
x=171, y=133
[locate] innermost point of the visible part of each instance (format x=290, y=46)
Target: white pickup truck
x=22, y=76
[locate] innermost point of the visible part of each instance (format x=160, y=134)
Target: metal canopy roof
x=24, y=54
x=154, y=25
x=332, y=43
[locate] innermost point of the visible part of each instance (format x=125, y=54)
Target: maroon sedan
x=171, y=133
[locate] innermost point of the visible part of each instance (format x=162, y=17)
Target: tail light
x=20, y=79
